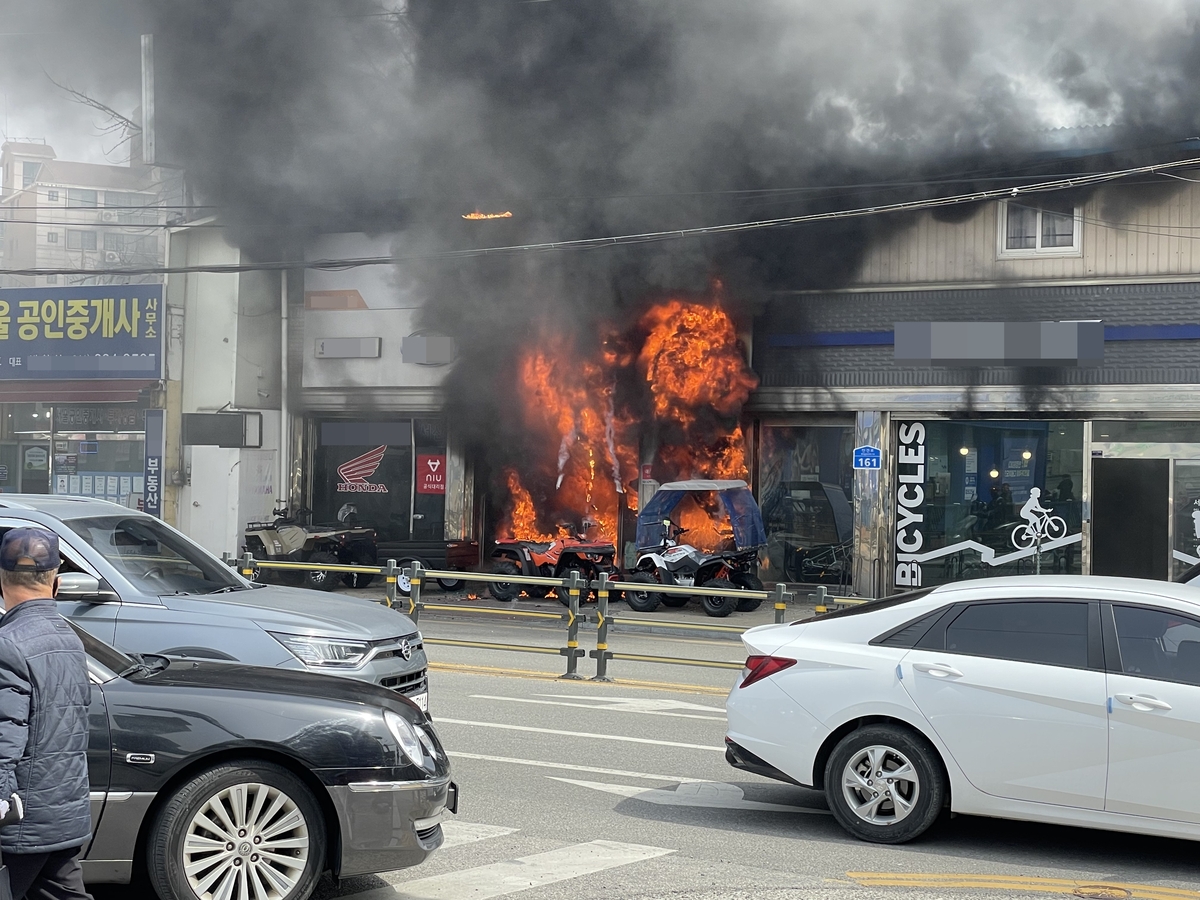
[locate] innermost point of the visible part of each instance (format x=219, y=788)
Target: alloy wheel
x=249, y=841
x=880, y=785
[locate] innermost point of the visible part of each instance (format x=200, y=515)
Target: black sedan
x=220, y=780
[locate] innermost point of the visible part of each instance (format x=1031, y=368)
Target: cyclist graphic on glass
x=1040, y=523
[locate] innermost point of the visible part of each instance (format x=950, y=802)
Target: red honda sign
x=431, y=474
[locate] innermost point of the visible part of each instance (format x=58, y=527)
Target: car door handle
x=1143, y=702
x=938, y=670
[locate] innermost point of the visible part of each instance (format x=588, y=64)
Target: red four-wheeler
x=555, y=559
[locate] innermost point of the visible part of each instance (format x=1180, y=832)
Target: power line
x=335, y=265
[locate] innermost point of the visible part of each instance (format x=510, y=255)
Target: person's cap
x=38, y=547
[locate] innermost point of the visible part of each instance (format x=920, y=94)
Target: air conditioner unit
x=112, y=256
x=108, y=216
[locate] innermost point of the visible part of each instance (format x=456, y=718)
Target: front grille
x=390, y=648
x=412, y=683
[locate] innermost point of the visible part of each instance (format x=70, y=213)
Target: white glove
x=3, y=808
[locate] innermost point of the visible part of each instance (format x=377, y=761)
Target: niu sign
x=431, y=475
x=910, y=503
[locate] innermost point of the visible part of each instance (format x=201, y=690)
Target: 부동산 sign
x=81, y=332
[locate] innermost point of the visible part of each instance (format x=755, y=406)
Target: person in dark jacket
x=44, y=698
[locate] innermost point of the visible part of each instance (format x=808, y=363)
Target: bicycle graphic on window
x=1040, y=524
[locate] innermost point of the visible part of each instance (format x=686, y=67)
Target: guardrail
x=575, y=586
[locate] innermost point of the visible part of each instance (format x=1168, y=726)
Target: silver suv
x=138, y=584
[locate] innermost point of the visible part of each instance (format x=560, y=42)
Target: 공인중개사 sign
x=81, y=332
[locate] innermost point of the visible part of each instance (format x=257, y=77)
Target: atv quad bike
x=662, y=560
x=289, y=539
x=555, y=559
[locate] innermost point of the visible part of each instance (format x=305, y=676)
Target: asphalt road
x=579, y=789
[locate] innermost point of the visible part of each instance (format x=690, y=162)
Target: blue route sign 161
x=83, y=331
x=868, y=458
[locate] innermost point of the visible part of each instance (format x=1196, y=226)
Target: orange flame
x=478, y=216
x=692, y=359
x=692, y=366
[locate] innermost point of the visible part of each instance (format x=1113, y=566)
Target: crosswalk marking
x=513, y=875
x=703, y=794
x=583, y=734
x=457, y=833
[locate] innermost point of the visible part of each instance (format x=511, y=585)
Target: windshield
x=154, y=558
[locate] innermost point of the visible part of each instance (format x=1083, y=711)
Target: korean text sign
x=84, y=331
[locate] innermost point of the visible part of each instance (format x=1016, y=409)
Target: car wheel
x=504, y=591
x=319, y=579
x=241, y=830
x=885, y=784
x=750, y=583
x=640, y=600
x=450, y=584
x=719, y=606
x=361, y=555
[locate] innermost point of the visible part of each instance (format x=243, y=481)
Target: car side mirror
x=81, y=586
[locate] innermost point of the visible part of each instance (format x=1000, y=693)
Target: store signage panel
x=84, y=331
x=98, y=418
x=155, y=448
x=431, y=474
x=910, y=503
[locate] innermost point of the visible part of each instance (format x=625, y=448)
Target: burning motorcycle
x=289, y=539
x=662, y=560
x=554, y=559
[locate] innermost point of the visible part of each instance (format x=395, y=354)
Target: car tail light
x=760, y=667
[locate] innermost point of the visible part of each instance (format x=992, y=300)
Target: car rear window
x=870, y=606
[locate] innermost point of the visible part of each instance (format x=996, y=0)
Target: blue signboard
x=85, y=331
x=868, y=458
x=156, y=449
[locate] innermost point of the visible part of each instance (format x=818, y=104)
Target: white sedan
x=1064, y=699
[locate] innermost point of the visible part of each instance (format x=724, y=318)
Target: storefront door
x=1130, y=521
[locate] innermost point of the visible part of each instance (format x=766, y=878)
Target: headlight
x=329, y=653
x=409, y=737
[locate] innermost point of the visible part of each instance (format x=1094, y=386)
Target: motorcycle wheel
x=643, y=601
x=361, y=555
x=319, y=579
x=719, y=607
x=750, y=583
x=504, y=591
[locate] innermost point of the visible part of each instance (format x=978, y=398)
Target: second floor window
x=81, y=240
x=1035, y=227
x=81, y=199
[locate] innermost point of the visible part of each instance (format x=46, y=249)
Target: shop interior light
x=963, y=450
x=994, y=473
x=1026, y=455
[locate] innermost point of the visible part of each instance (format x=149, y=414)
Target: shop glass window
x=1186, y=552
x=805, y=491
x=363, y=475
x=979, y=498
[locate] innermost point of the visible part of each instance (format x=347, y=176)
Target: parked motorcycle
x=556, y=559
x=290, y=539
x=662, y=560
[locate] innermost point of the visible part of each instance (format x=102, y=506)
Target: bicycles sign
x=868, y=458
